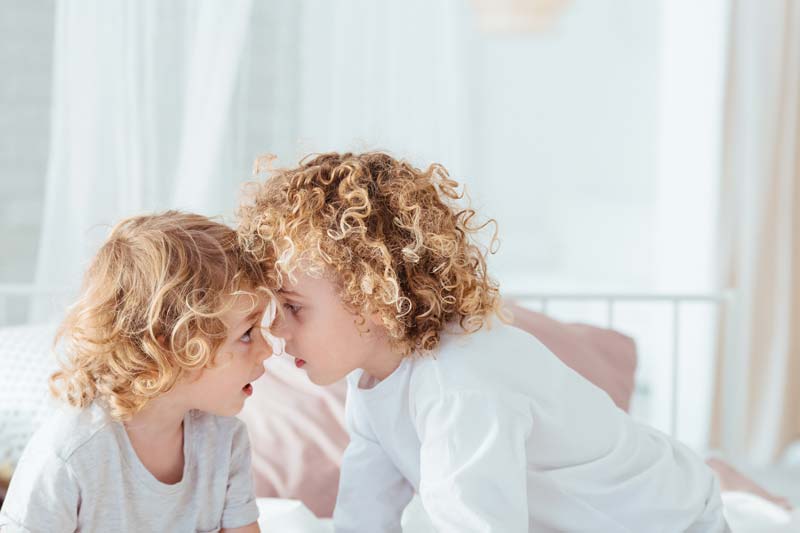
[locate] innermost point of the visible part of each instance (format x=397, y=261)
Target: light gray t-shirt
x=80, y=472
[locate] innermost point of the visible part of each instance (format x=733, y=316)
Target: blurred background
x=625, y=147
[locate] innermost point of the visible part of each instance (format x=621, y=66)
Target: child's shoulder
x=496, y=344
x=69, y=429
x=498, y=358
x=65, y=448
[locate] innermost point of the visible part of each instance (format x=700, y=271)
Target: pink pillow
x=605, y=357
x=297, y=428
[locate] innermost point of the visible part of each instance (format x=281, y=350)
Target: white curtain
x=758, y=401
x=360, y=75
x=141, y=98
x=166, y=104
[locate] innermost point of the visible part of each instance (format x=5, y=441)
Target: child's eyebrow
x=252, y=316
x=289, y=293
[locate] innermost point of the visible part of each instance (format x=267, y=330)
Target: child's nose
x=264, y=348
x=280, y=329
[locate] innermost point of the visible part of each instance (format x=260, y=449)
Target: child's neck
x=156, y=434
x=382, y=362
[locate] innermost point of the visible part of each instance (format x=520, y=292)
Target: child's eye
x=291, y=307
x=247, y=335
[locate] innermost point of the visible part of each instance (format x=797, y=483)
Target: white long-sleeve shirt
x=496, y=434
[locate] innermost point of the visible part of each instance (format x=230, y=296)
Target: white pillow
x=26, y=362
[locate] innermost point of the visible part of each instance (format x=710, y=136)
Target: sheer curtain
x=758, y=397
x=360, y=75
x=141, y=99
x=166, y=104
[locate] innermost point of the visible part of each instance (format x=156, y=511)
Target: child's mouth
x=248, y=389
x=299, y=362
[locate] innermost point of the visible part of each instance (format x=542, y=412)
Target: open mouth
x=299, y=362
x=248, y=389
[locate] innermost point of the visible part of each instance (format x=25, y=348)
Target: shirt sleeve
x=44, y=496
x=473, y=462
x=240, y=500
x=372, y=491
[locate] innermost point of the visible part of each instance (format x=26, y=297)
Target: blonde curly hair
x=392, y=236
x=149, y=310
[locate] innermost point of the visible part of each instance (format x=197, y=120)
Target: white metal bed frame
x=723, y=302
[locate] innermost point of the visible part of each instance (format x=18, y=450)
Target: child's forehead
x=305, y=275
x=306, y=287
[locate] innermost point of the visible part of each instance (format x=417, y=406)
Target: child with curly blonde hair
x=161, y=349
x=381, y=280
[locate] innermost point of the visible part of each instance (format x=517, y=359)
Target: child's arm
x=240, y=514
x=473, y=462
x=43, y=495
x=372, y=492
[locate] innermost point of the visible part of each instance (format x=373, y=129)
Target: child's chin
x=322, y=381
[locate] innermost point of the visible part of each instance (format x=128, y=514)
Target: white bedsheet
x=746, y=513
x=291, y=516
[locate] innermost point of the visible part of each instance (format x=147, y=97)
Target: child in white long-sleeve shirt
x=381, y=281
